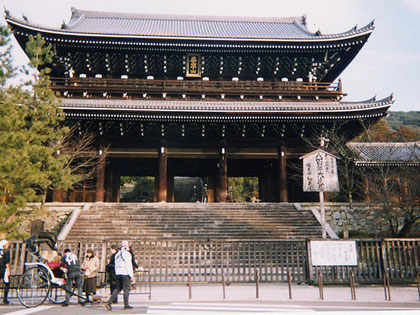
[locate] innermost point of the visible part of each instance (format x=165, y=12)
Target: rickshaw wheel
x=58, y=294
x=34, y=287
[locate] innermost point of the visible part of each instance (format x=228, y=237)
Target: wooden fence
x=171, y=261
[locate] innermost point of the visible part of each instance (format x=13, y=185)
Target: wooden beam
x=100, y=179
x=282, y=174
x=222, y=178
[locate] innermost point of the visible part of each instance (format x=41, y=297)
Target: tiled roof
x=200, y=27
x=244, y=107
x=386, y=152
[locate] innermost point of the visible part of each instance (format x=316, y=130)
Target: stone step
x=194, y=221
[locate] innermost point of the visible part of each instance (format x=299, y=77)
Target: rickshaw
x=42, y=278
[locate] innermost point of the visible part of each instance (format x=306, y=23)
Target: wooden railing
x=171, y=261
x=400, y=258
x=140, y=86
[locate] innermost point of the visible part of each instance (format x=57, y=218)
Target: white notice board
x=333, y=253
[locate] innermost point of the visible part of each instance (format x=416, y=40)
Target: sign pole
x=321, y=201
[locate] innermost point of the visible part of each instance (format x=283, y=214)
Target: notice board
x=333, y=253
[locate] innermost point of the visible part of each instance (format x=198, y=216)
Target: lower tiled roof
x=386, y=152
x=245, y=107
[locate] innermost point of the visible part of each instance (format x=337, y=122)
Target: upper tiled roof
x=200, y=27
x=387, y=152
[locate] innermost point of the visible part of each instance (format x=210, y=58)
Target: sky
x=388, y=63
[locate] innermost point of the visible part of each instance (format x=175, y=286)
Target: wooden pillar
x=100, y=178
x=222, y=178
x=162, y=174
x=57, y=195
x=84, y=192
x=367, y=192
x=282, y=174
x=109, y=177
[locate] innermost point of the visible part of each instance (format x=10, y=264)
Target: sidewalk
x=275, y=293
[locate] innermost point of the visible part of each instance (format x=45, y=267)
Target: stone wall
x=53, y=214
x=363, y=219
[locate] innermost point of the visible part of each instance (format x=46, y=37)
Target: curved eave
x=234, y=110
x=113, y=38
x=386, y=163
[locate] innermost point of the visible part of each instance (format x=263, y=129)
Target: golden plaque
x=193, y=65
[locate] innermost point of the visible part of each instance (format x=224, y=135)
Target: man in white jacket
x=124, y=273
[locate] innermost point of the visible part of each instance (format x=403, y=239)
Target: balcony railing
x=94, y=86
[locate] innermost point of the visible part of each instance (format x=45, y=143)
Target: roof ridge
x=102, y=14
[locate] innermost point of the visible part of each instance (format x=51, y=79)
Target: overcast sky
x=388, y=63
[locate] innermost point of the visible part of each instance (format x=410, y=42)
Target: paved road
x=222, y=307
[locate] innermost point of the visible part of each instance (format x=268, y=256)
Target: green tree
x=37, y=152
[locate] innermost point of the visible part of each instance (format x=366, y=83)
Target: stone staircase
x=153, y=221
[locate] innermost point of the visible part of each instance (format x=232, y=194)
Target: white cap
x=3, y=243
x=124, y=244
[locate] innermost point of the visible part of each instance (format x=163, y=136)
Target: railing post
x=418, y=283
x=320, y=284
x=224, y=285
x=352, y=285
x=289, y=278
x=189, y=286
x=387, y=289
x=257, y=283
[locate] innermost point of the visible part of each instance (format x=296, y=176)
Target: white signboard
x=333, y=253
x=320, y=172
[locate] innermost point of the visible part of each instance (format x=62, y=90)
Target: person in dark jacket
x=5, y=268
x=110, y=269
x=71, y=266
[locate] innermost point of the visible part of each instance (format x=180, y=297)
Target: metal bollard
x=387, y=289
x=352, y=285
x=289, y=280
x=257, y=282
x=224, y=285
x=321, y=285
x=189, y=286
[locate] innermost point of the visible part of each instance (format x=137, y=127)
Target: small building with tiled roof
x=386, y=153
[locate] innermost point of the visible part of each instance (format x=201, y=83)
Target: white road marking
x=225, y=308
x=31, y=310
x=397, y=307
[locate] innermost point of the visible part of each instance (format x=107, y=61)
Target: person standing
x=204, y=194
x=90, y=268
x=71, y=265
x=229, y=196
x=194, y=194
x=5, y=268
x=125, y=277
x=110, y=269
